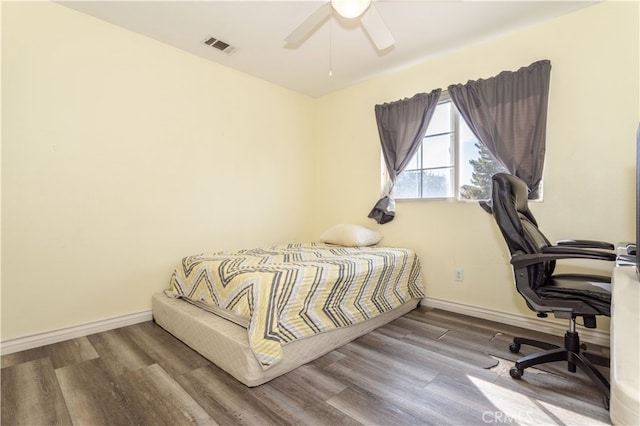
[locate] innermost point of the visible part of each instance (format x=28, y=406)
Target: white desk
x=625, y=347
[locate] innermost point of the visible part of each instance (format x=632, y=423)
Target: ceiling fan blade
x=307, y=27
x=377, y=30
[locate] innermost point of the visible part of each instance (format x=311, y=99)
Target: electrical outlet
x=459, y=274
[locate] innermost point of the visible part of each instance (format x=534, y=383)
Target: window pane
x=465, y=131
x=441, y=122
x=407, y=185
x=469, y=151
x=437, y=183
x=437, y=151
x=477, y=165
x=413, y=163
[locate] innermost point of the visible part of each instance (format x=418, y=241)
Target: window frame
x=457, y=119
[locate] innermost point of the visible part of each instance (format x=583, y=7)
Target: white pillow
x=350, y=236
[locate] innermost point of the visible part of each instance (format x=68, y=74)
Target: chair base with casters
x=572, y=353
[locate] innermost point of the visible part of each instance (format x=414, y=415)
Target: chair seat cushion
x=594, y=290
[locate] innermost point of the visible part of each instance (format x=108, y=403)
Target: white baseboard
x=594, y=336
x=55, y=336
x=23, y=343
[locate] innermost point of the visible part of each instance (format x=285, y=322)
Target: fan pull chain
x=331, y=47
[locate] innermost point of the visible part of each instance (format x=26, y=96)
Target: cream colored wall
x=120, y=155
x=590, y=161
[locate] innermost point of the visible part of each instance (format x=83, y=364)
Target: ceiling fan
x=350, y=9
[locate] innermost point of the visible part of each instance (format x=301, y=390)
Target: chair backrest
x=518, y=225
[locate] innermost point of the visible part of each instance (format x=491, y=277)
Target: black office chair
x=564, y=295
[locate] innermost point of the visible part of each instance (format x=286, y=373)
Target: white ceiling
x=422, y=30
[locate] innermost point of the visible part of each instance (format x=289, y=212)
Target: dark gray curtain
x=401, y=126
x=508, y=114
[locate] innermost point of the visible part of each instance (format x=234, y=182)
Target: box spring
x=227, y=344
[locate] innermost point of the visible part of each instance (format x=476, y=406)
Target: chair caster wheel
x=605, y=402
x=516, y=372
x=514, y=347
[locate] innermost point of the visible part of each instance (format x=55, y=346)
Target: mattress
x=226, y=343
x=291, y=292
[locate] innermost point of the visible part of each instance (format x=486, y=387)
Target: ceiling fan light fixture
x=350, y=8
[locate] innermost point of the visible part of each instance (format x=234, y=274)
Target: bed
x=260, y=313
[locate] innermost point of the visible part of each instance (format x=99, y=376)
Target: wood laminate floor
x=427, y=367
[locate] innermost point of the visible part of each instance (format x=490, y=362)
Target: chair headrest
x=512, y=188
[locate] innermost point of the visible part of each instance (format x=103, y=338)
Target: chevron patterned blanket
x=294, y=291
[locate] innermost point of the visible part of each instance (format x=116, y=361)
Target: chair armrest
x=586, y=244
x=576, y=250
x=520, y=260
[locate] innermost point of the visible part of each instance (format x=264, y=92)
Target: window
x=450, y=164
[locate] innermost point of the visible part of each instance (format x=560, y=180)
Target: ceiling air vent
x=219, y=45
